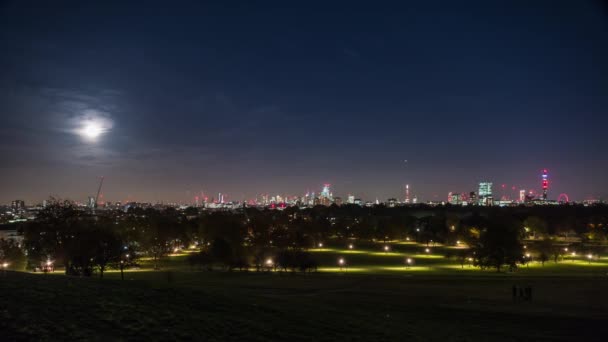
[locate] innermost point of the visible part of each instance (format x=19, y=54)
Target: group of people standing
x=521, y=293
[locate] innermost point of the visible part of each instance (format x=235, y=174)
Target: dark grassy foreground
x=259, y=307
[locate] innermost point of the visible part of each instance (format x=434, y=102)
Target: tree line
x=84, y=243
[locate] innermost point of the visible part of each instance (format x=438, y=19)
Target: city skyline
x=257, y=99
x=500, y=192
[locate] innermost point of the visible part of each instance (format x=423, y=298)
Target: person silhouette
x=514, y=293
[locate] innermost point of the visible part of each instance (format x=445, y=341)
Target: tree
x=107, y=248
x=221, y=251
x=544, y=249
x=156, y=234
x=499, y=244
x=536, y=227
x=11, y=253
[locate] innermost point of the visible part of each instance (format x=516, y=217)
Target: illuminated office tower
x=485, y=193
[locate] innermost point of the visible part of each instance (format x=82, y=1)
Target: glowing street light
x=566, y=249
x=320, y=244
x=386, y=249
x=341, y=263
x=458, y=242
x=590, y=256
x=351, y=246
x=407, y=239
x=408, y=262
x=427, y=250
x=527, y=255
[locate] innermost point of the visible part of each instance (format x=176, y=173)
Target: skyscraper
x=485, y=193
x=545, y=184
x=17, y=206
x=326, y=196
x=91, y=202
x=473, y=198
x=407, y=194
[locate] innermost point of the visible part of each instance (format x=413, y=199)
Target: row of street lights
x=385, y=248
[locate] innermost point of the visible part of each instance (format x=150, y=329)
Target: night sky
x=261, y=97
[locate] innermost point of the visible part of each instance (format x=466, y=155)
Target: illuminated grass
x=353, y=251
x=344, y=269
x=386, y=253
x=404, y=269
x=322, y=250
x=427, y=256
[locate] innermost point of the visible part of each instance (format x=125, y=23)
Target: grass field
x=376, y=298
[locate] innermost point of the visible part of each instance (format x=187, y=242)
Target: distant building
x=485, y=193
x=351, y=199
x=18, y=206
x=91, y=202
x=326, y=196
x=522, y=196
x=11, y=234
x=358, y=201
x=473, y=198
x=391, y=202
x=455, y=198
x=338, y=200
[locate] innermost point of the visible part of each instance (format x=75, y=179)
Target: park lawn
x=370, y=258
x=238, y=306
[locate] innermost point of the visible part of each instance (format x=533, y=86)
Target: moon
x=90, y=128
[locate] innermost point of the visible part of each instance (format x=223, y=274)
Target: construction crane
x=98, y=191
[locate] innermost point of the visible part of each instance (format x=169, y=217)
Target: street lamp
x=320, y=244
x=427, y=250
x=351, y=246
x=386, y=249
x=341, y=262
x=408, y=262
x=590, y=256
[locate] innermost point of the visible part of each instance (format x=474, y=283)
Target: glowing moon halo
x=91, y=130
